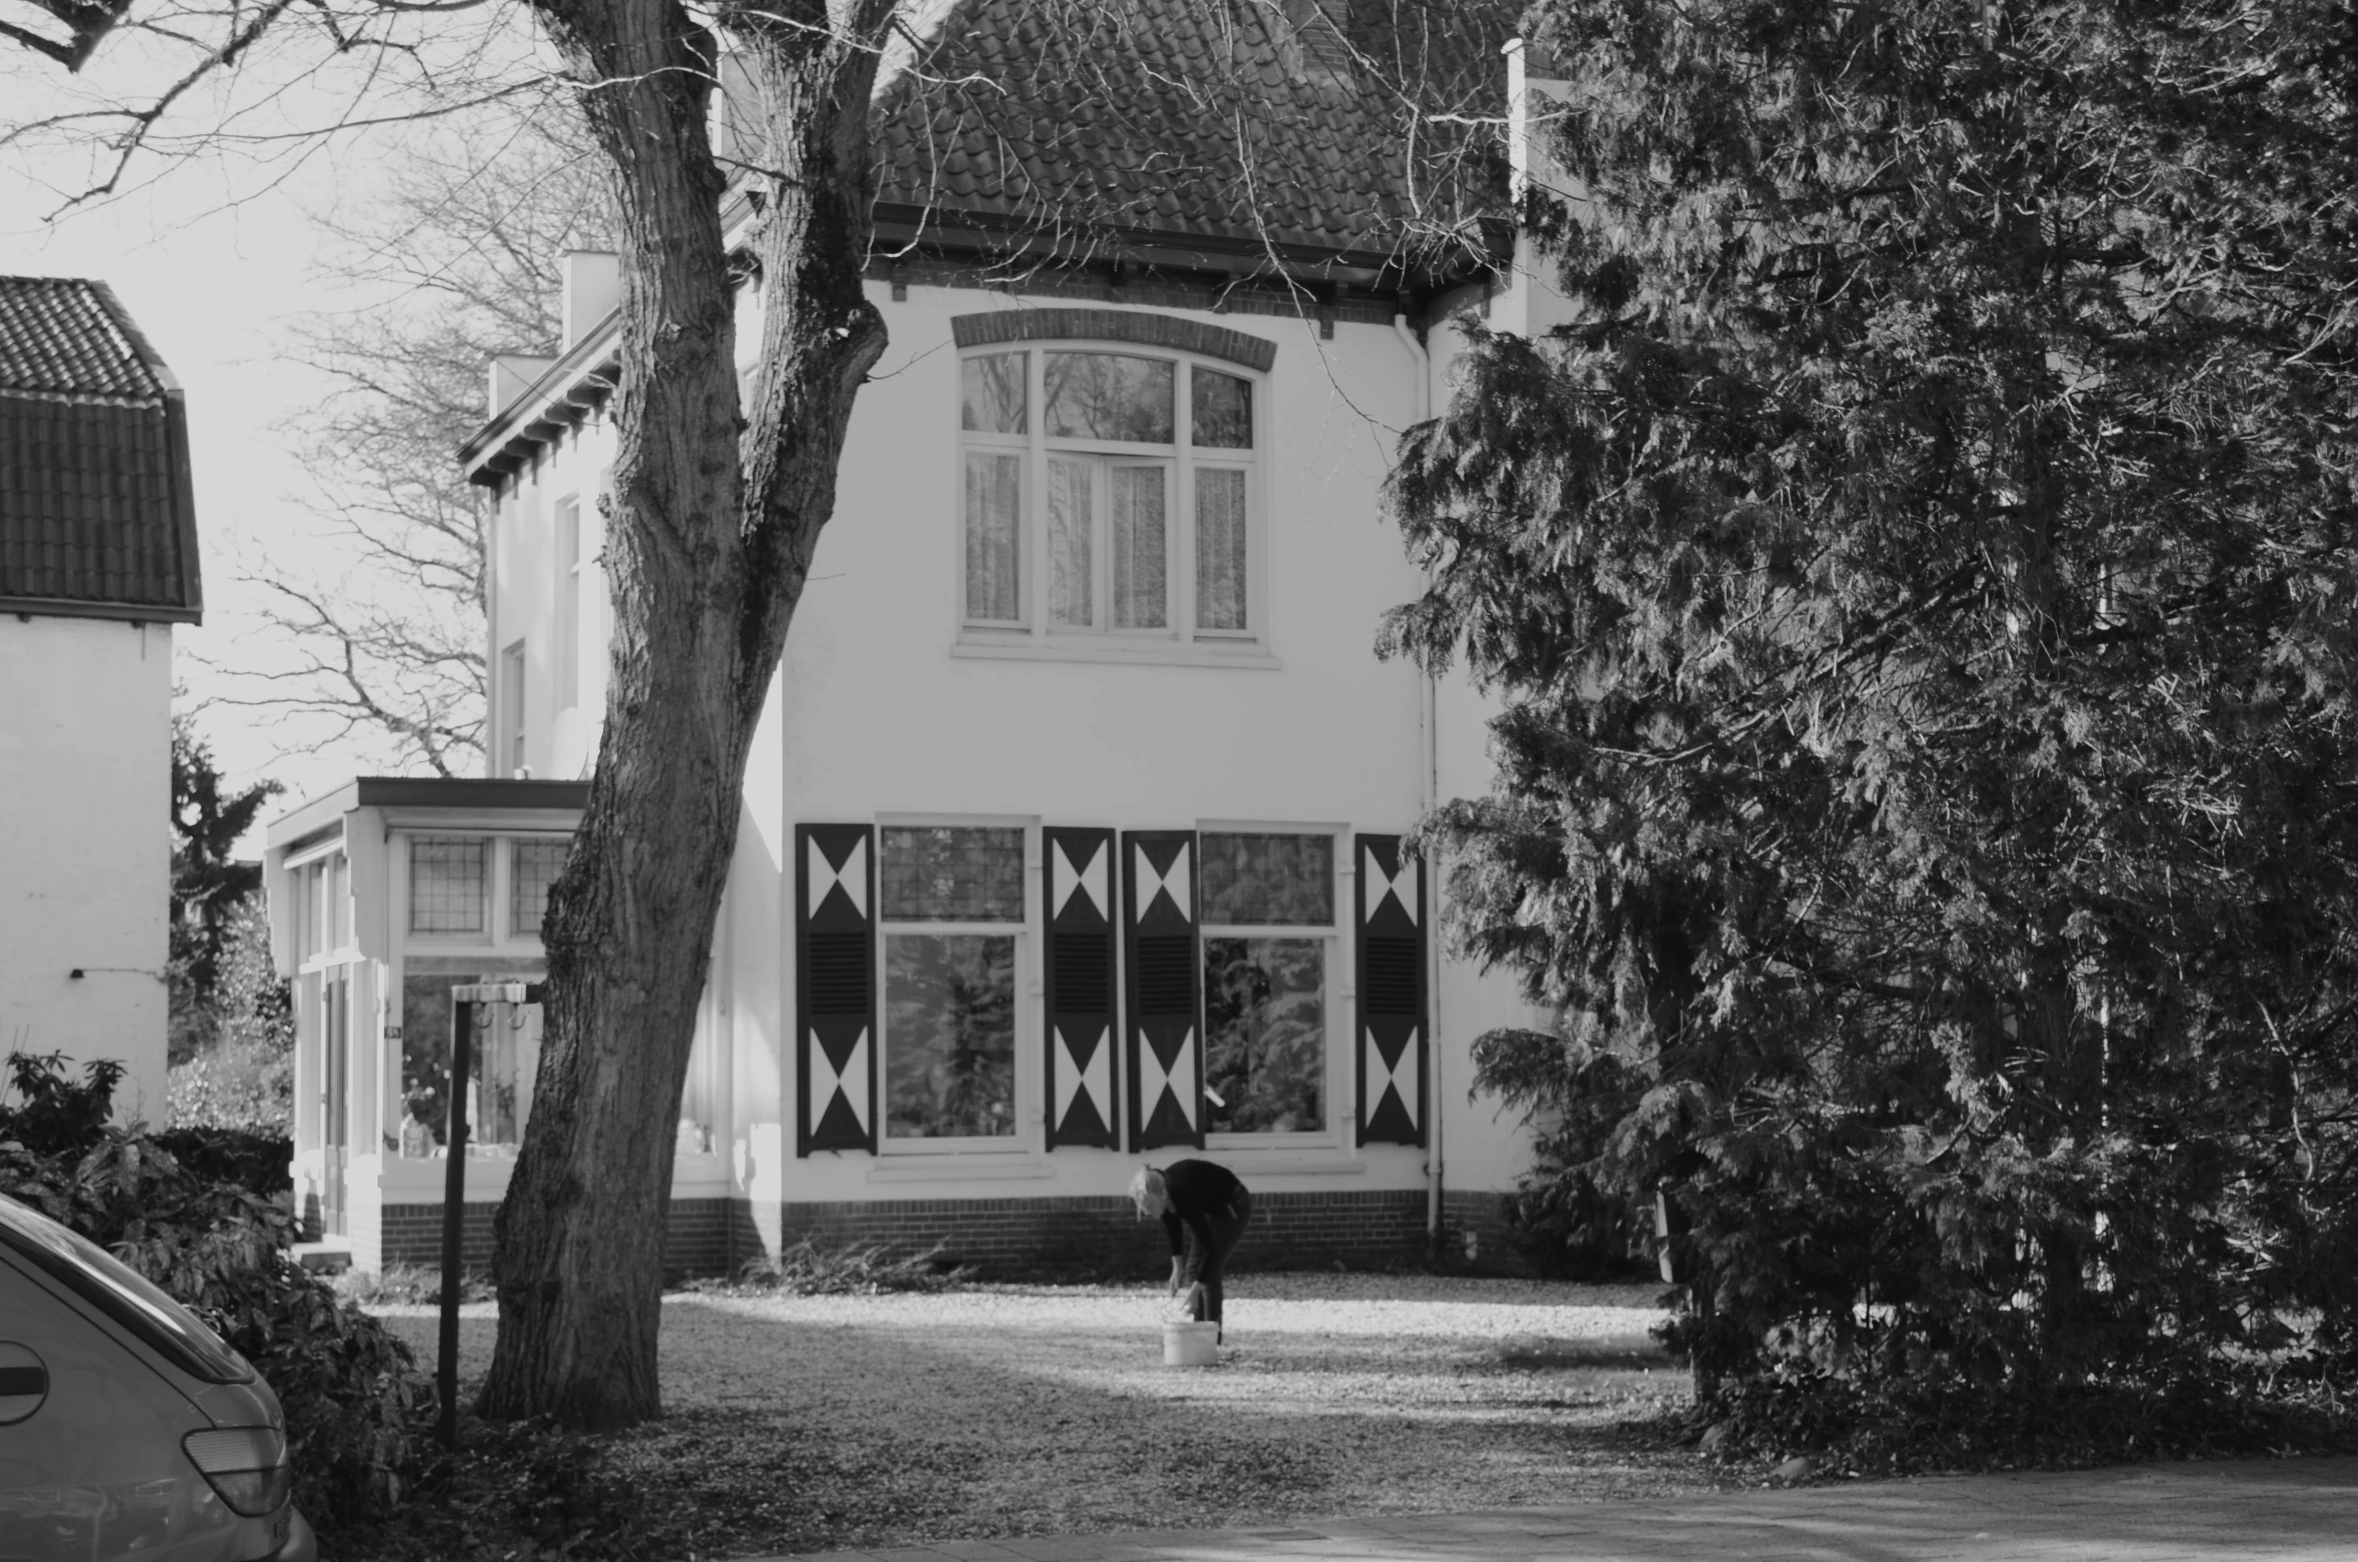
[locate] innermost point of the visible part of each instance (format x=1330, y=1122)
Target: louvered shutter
x=835, y=987
x=1391, y=937
x=1078, y=971
x=1162, y=1052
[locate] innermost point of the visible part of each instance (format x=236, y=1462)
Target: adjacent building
x=98, y=560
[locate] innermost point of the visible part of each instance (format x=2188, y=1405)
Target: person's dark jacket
x=1201, y=1193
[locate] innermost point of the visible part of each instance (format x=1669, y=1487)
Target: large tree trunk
x=709, y=543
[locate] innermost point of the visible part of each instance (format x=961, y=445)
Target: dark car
x=127, y=1427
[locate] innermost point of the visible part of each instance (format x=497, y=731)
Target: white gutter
x=1432, y=792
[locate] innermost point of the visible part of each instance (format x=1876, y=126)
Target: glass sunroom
x=385, y=895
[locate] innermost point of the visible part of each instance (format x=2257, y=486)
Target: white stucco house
x=1072, y=832
x=98, y=560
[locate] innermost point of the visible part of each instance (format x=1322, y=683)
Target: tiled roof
x=1113, y=123
x=96, y=516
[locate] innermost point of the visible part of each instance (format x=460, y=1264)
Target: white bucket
x=1190, y=1344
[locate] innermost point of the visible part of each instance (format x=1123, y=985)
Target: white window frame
x=1029, y=1111
x=568, y=552
x=317, y=878
x=1336, y=1108
x=1031, y=630
x=514, y=668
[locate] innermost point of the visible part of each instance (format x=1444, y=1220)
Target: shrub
x=260, y=1162
x=358, y=1409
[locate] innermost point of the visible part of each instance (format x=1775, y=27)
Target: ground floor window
x=949, y=1018
x=1265, y=1035
x=1269, y=924
x=951, y=896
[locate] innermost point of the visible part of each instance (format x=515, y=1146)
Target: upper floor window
x=1107, y=492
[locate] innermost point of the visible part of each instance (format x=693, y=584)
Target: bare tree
x=718, y=496
x=456, y=256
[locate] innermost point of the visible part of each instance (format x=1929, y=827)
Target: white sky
x=212, y=257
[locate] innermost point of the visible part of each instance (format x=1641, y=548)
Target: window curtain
x=1139, y=553
x=994, y=519
x=1219, y=548
x=1070, y=501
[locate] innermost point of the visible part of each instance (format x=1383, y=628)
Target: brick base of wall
x=1083, y=1237
x=1478, y=1234
x=696, y=1239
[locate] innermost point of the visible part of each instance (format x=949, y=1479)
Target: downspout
x=1431, y=788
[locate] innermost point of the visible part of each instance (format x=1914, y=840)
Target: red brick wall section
x=1083, y=1237
x=1478, y=1234
x=696, y=1240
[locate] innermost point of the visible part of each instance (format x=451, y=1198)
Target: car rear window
x=130, y=1299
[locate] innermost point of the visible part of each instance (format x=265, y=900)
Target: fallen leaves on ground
x=810, y=1423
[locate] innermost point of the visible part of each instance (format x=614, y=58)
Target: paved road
x=2305, y=1509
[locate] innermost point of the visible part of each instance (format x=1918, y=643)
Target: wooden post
x=454, y=1210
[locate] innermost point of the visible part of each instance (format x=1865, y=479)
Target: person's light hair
x=1148, y=1185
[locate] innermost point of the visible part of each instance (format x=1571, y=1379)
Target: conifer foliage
x=1918, y=586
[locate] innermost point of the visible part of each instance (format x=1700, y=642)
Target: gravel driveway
x=1004, y=1410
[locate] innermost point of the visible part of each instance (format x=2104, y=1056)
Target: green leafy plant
x=1916, y=575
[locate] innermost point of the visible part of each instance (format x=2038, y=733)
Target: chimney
x=593, y=289
x=512, y=374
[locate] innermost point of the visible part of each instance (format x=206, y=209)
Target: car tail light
x=246, y=1464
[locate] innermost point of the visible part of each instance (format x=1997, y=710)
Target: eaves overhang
x=567, y=392
x=455, y=794
x=1016, y=237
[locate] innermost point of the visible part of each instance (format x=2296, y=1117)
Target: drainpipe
x=1432, y=792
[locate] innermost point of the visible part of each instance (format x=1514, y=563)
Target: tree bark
x=710, y=535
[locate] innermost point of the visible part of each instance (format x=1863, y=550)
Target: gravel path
x=1004, y=1410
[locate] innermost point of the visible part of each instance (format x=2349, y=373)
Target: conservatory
x=385, y=895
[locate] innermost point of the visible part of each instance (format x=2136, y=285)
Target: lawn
x=805, y=1423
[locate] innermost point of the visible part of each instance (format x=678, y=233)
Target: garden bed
x=804, y=1423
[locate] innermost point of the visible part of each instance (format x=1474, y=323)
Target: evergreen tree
x=209, y=886
x=1919, y=588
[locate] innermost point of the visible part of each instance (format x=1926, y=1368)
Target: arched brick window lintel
x=1114, y=325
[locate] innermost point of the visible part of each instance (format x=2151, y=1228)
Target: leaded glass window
x=448, y=884
x=1269, y=880
x=952, y=873
x=531, y=871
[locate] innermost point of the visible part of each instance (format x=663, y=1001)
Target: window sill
x=958, y=1168
x=1148, y=653
x=1287, y=1163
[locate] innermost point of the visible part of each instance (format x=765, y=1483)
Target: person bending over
x=1204, y=1208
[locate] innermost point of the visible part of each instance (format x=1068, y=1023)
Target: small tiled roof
x=96, y=515
x=1350, y=131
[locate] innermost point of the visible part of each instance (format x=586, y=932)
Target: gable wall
x=85, y=845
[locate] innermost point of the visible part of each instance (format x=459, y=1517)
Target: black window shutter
x=1390, y=924
x=1162, y=1050
x=835, y=987
x=1078, y=972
